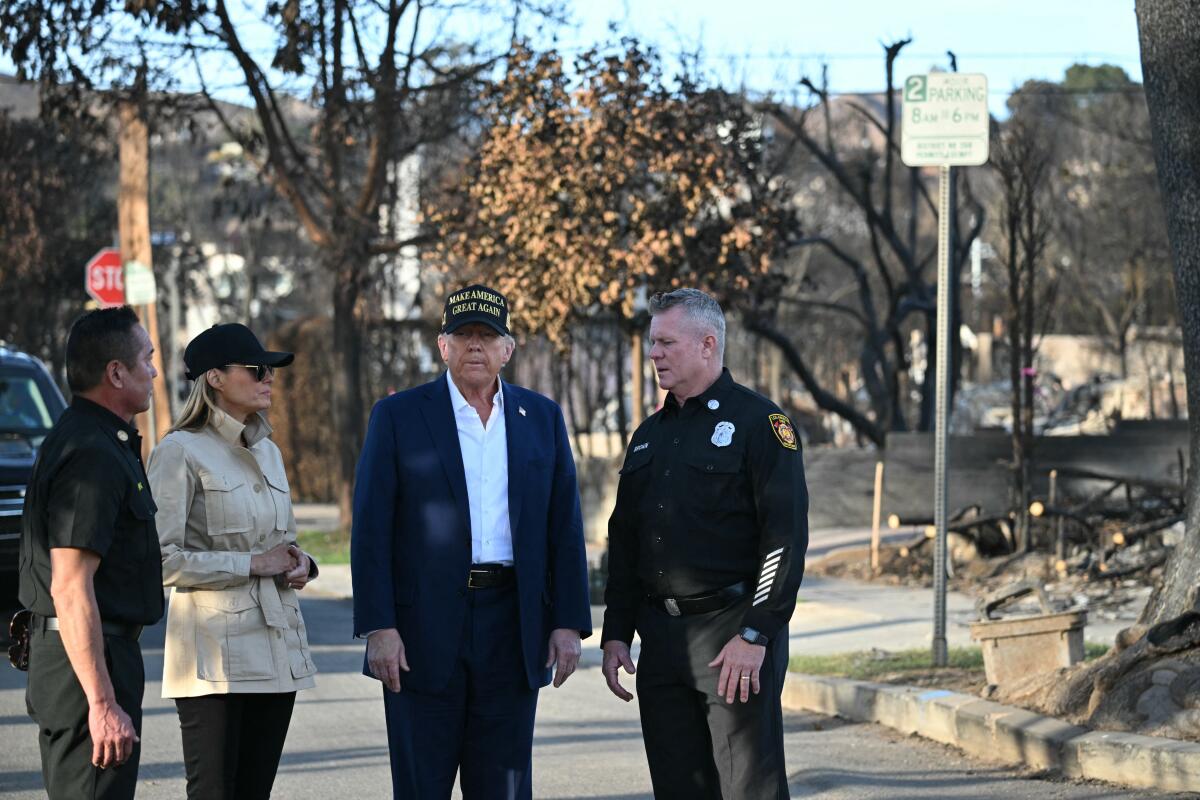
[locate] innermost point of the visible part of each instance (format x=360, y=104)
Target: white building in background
x=402, y=220
x=401, y=272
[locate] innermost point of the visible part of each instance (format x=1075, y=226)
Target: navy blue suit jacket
x=410, y=549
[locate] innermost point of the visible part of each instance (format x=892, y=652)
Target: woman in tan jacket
x=236, y=646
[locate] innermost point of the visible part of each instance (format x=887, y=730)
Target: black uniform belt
x=125, y=630
x=490, y=576
x=701, y=603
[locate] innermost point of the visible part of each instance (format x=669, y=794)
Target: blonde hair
x=198, y=408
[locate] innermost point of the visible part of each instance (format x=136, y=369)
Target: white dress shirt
x=485, y=463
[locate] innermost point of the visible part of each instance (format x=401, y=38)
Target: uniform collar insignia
x=713, y=396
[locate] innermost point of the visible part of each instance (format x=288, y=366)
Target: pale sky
x=768, y=45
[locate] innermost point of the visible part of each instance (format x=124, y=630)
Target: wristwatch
x=752, y=636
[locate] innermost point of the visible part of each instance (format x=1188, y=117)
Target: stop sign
x=104, y=279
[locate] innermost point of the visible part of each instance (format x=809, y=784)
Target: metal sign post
x=945, y=123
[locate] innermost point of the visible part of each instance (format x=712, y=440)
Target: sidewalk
x=838, y=616
x=832, y=615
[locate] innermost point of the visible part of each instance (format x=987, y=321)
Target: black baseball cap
x=231, y=343
x=476, y=303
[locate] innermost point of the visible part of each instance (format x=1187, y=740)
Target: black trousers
x=56, y=702
x=697, y=745
x=232, y=743
x=480, y=726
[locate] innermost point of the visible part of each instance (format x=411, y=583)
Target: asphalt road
x=587, y=743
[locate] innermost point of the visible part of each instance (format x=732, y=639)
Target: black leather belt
x=491, y=576
x=125, y=630
x=701, y=603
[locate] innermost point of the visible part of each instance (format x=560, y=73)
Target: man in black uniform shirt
x=90, y=566
x=706, y=551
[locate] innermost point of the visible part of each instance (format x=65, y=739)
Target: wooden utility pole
x=876, y=509
x=133, y=227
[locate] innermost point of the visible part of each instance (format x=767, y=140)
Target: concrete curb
x=1003, y=733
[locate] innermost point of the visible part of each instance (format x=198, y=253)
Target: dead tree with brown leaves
x=344, y=92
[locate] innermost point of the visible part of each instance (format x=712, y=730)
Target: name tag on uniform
x=639, y=447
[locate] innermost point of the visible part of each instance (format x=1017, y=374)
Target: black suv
x=30, y=402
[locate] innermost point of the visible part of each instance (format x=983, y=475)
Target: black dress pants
x=480, y=726
x=698, y=746
x=56, y=702
x=232, y=743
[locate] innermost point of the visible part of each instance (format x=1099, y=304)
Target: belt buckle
x=471, y=577
x=672, y=607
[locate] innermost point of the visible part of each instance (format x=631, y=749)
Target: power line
x=1010, y=55
x=961, y=56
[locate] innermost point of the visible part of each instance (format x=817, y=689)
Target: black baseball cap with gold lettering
x=476, y=303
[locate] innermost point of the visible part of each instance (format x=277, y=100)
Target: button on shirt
x=485, y=464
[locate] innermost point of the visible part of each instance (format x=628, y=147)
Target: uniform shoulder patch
x=784, y=431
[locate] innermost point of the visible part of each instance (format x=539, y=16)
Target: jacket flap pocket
x=216, y=482
x=229, y=600
x=635, y=461
x=226, y=505
x=277, y=480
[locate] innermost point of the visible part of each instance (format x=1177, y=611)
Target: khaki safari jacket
x=218, y=502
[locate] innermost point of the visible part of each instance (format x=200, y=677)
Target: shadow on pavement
x=886, y=623
x=799, y=722
x=911, y=784
x=615, y=731
x=25, y=780
x=307, y=760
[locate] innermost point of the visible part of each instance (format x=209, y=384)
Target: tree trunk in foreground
x=1118, y=691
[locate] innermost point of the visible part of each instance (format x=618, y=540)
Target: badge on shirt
x=123, y=436
x=723, y=434
x=783, y=431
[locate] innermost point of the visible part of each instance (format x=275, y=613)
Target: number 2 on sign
x=914, y=89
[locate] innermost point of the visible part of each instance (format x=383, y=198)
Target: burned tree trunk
x=1022, y=159
x=1169, y=32
x=1118, y=691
